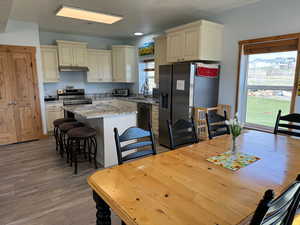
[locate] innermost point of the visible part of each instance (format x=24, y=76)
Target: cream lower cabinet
x=124, y=61
x=72, y=53
x=50, y=63
x=53, y=112
x=200, y=40
x=100, y=67
x=160, y=55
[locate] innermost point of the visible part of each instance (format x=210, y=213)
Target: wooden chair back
x=141, y=143
x=289, y=127
x=216, y=124
x=280, y=210
x=182, y=133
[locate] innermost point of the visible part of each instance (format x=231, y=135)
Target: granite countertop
x=136, y=99
x=101, y=109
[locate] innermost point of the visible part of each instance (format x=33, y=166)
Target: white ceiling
x=148, y=16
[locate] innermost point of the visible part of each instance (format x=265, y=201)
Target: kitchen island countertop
x=101, y=109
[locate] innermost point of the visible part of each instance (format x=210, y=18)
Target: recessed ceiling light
x=138, y=33
x=81, y=14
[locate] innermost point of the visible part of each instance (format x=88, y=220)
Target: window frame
x=296, y=87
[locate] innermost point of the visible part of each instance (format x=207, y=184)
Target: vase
x=234, y=151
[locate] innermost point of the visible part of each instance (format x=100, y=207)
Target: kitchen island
x=104, y=116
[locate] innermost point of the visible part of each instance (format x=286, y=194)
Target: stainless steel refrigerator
x=180, y=90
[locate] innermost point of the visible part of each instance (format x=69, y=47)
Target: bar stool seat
x=82, y=132
x=65, y=127
x=60, y=121
x=82, y=140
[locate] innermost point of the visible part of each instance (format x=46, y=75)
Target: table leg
x=103, y=211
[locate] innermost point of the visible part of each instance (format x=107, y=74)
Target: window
x=150, y=73
x=267, y=80
x=268, y=87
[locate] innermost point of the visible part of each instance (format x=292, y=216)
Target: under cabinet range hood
x=73, y=69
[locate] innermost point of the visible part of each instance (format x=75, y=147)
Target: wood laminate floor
x=37, y=187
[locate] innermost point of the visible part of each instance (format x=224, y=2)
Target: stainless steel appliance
x=180, y=91
x=144, y=115
x=121, y=92
x=73, y=96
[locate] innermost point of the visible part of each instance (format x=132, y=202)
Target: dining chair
x=182, y=133
x=289, y=127
x=280, y=210
x=137, y=139
x=216, y=124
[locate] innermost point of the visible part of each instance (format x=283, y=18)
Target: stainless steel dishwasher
x=144, y=115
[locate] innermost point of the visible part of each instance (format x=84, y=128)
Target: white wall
x=262, y=19
x=26, y=34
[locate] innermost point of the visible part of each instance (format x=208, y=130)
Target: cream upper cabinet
x=50, y=63
x=124, y=61
x=175, y=46
x=72, y=53
x=100, y=67
x=200, y=40
x=160, y=54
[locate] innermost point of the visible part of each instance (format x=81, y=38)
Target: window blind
x=271, y=46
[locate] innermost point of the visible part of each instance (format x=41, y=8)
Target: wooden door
x=27, y=108
x=50, y=64
x=175, y=46
x=7, y=121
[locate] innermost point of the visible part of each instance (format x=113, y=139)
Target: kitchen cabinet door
x=131, y=64
x=100, y=68
x=80, y=55
x=50, y=64
x=160, y=55
x=65, y=54
x=118, y=64
x=53, y=112
x=191, y=44
x=124, y=63
x=105, y=67
x=175, y=42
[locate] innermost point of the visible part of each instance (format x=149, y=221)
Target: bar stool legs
x=85, y=147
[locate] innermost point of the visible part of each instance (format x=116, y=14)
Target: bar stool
x=87, y=135
x=56, y=131
x=64, y=128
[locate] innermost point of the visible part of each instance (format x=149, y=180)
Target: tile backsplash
x=78, y=80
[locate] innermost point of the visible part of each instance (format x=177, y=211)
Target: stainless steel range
x=72, y=96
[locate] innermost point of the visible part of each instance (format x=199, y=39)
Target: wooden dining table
x=181, y=187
